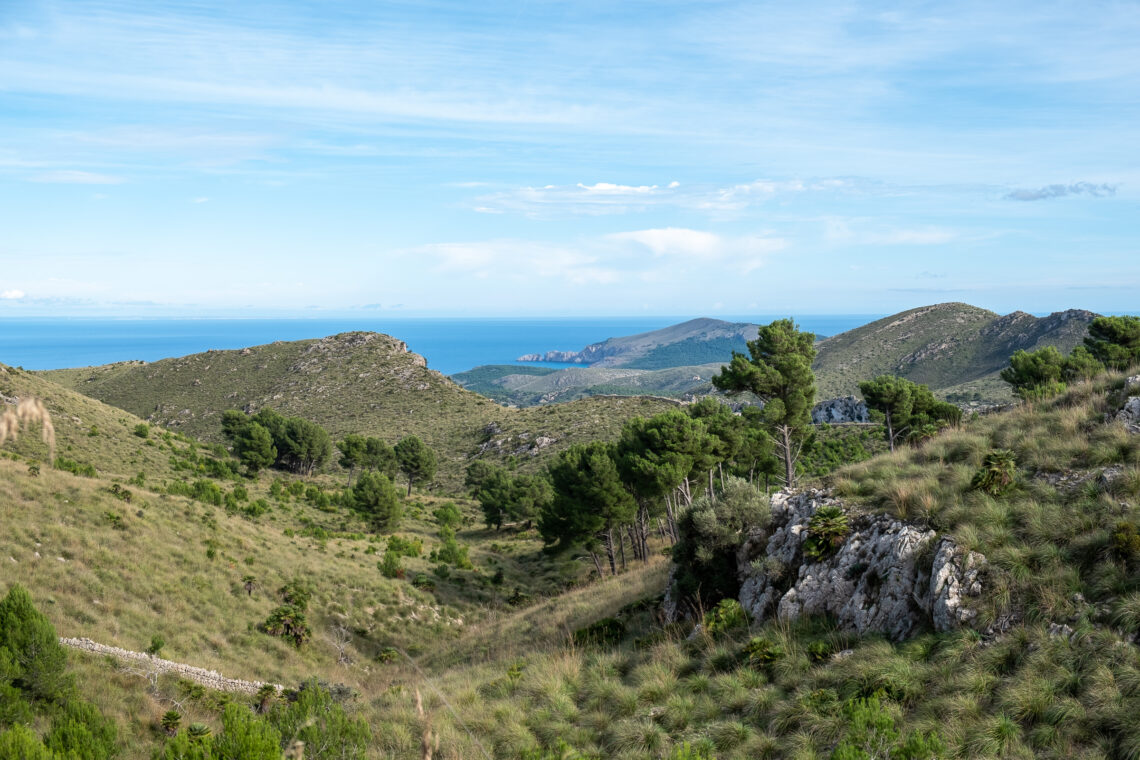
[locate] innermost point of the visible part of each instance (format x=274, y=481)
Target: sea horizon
x=449, y=344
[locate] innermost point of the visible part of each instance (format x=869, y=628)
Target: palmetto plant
x=999, y=470
x=170, y=722
x=827, y=530
x=198, y=731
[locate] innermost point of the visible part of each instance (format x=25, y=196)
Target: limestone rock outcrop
x=887, y=577
x=1129, y=414
x=838, y=410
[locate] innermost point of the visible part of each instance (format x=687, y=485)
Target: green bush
x=726, y=617
x=760, y=651
x=605, y=632
x=405, y=547
x=142, y=430
x=75, y=468
x=29, y=644
x=450, y=551
x=710, y=533
x=827, y=530
x=390, y=566
x=998, y=473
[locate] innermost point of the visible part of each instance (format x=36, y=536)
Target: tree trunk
x=597, y=565
x=643, y=529
x=409, y=486
x=609, y=543
x=621, y=546
x=712, y=496
x=670, y=515
x=720, y=466
x=789, y=457
x=890, y=433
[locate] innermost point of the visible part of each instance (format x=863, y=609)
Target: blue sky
x=567, y=158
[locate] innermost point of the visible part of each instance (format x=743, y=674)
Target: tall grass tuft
x=27, y=412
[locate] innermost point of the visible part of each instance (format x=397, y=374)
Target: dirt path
x=208, y=678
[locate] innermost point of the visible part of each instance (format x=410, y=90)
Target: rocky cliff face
x=887, y=577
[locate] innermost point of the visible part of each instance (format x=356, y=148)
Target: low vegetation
x=526, y=621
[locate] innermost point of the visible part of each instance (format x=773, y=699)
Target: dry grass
x=28, y=411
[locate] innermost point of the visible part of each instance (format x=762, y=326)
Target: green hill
x=89, y=432
x=955, y=348
x=696, y=341
x=944, y=346
x=349, y=383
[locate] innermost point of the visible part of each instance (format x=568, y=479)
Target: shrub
x=998, y=473
x=1126, y=542
x=605, y=632
x=142, y=430
x=387, y=654
x=288, y=622
x=450, y=551
x=75, y=468
x=760, y=651
x=405, y=547
x=727, y=616
x=376, y=497
x=313, y=715
x=80, y=731
x=827, y=530
x=156, y=645
x=28, y=642
x=448, y=515
x=390, y=565
x=423, y=582
x=710, y=533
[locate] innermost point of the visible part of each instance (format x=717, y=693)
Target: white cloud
x=73, y=177
x=675, y=240
x=609, y=188
x=744, y=253
x=202, y=199
x=613, y=198
x=13, y=294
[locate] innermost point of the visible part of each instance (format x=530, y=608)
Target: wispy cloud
x=12, y=294
x=613, y=198
x=1060, y=191
x=74, y=177
x=862, y=232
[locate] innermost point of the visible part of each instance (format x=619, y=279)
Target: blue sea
x=450, y=345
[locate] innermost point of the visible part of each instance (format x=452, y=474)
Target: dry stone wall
x=208, y=678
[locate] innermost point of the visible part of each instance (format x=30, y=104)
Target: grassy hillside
x=89, y=432
x=943, y=346
x=349, y=383
x=1058, y=677
x=502, y=681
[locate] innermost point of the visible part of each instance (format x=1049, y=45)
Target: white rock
x=873, y=583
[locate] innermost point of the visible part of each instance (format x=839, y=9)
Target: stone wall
x=208, y=678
